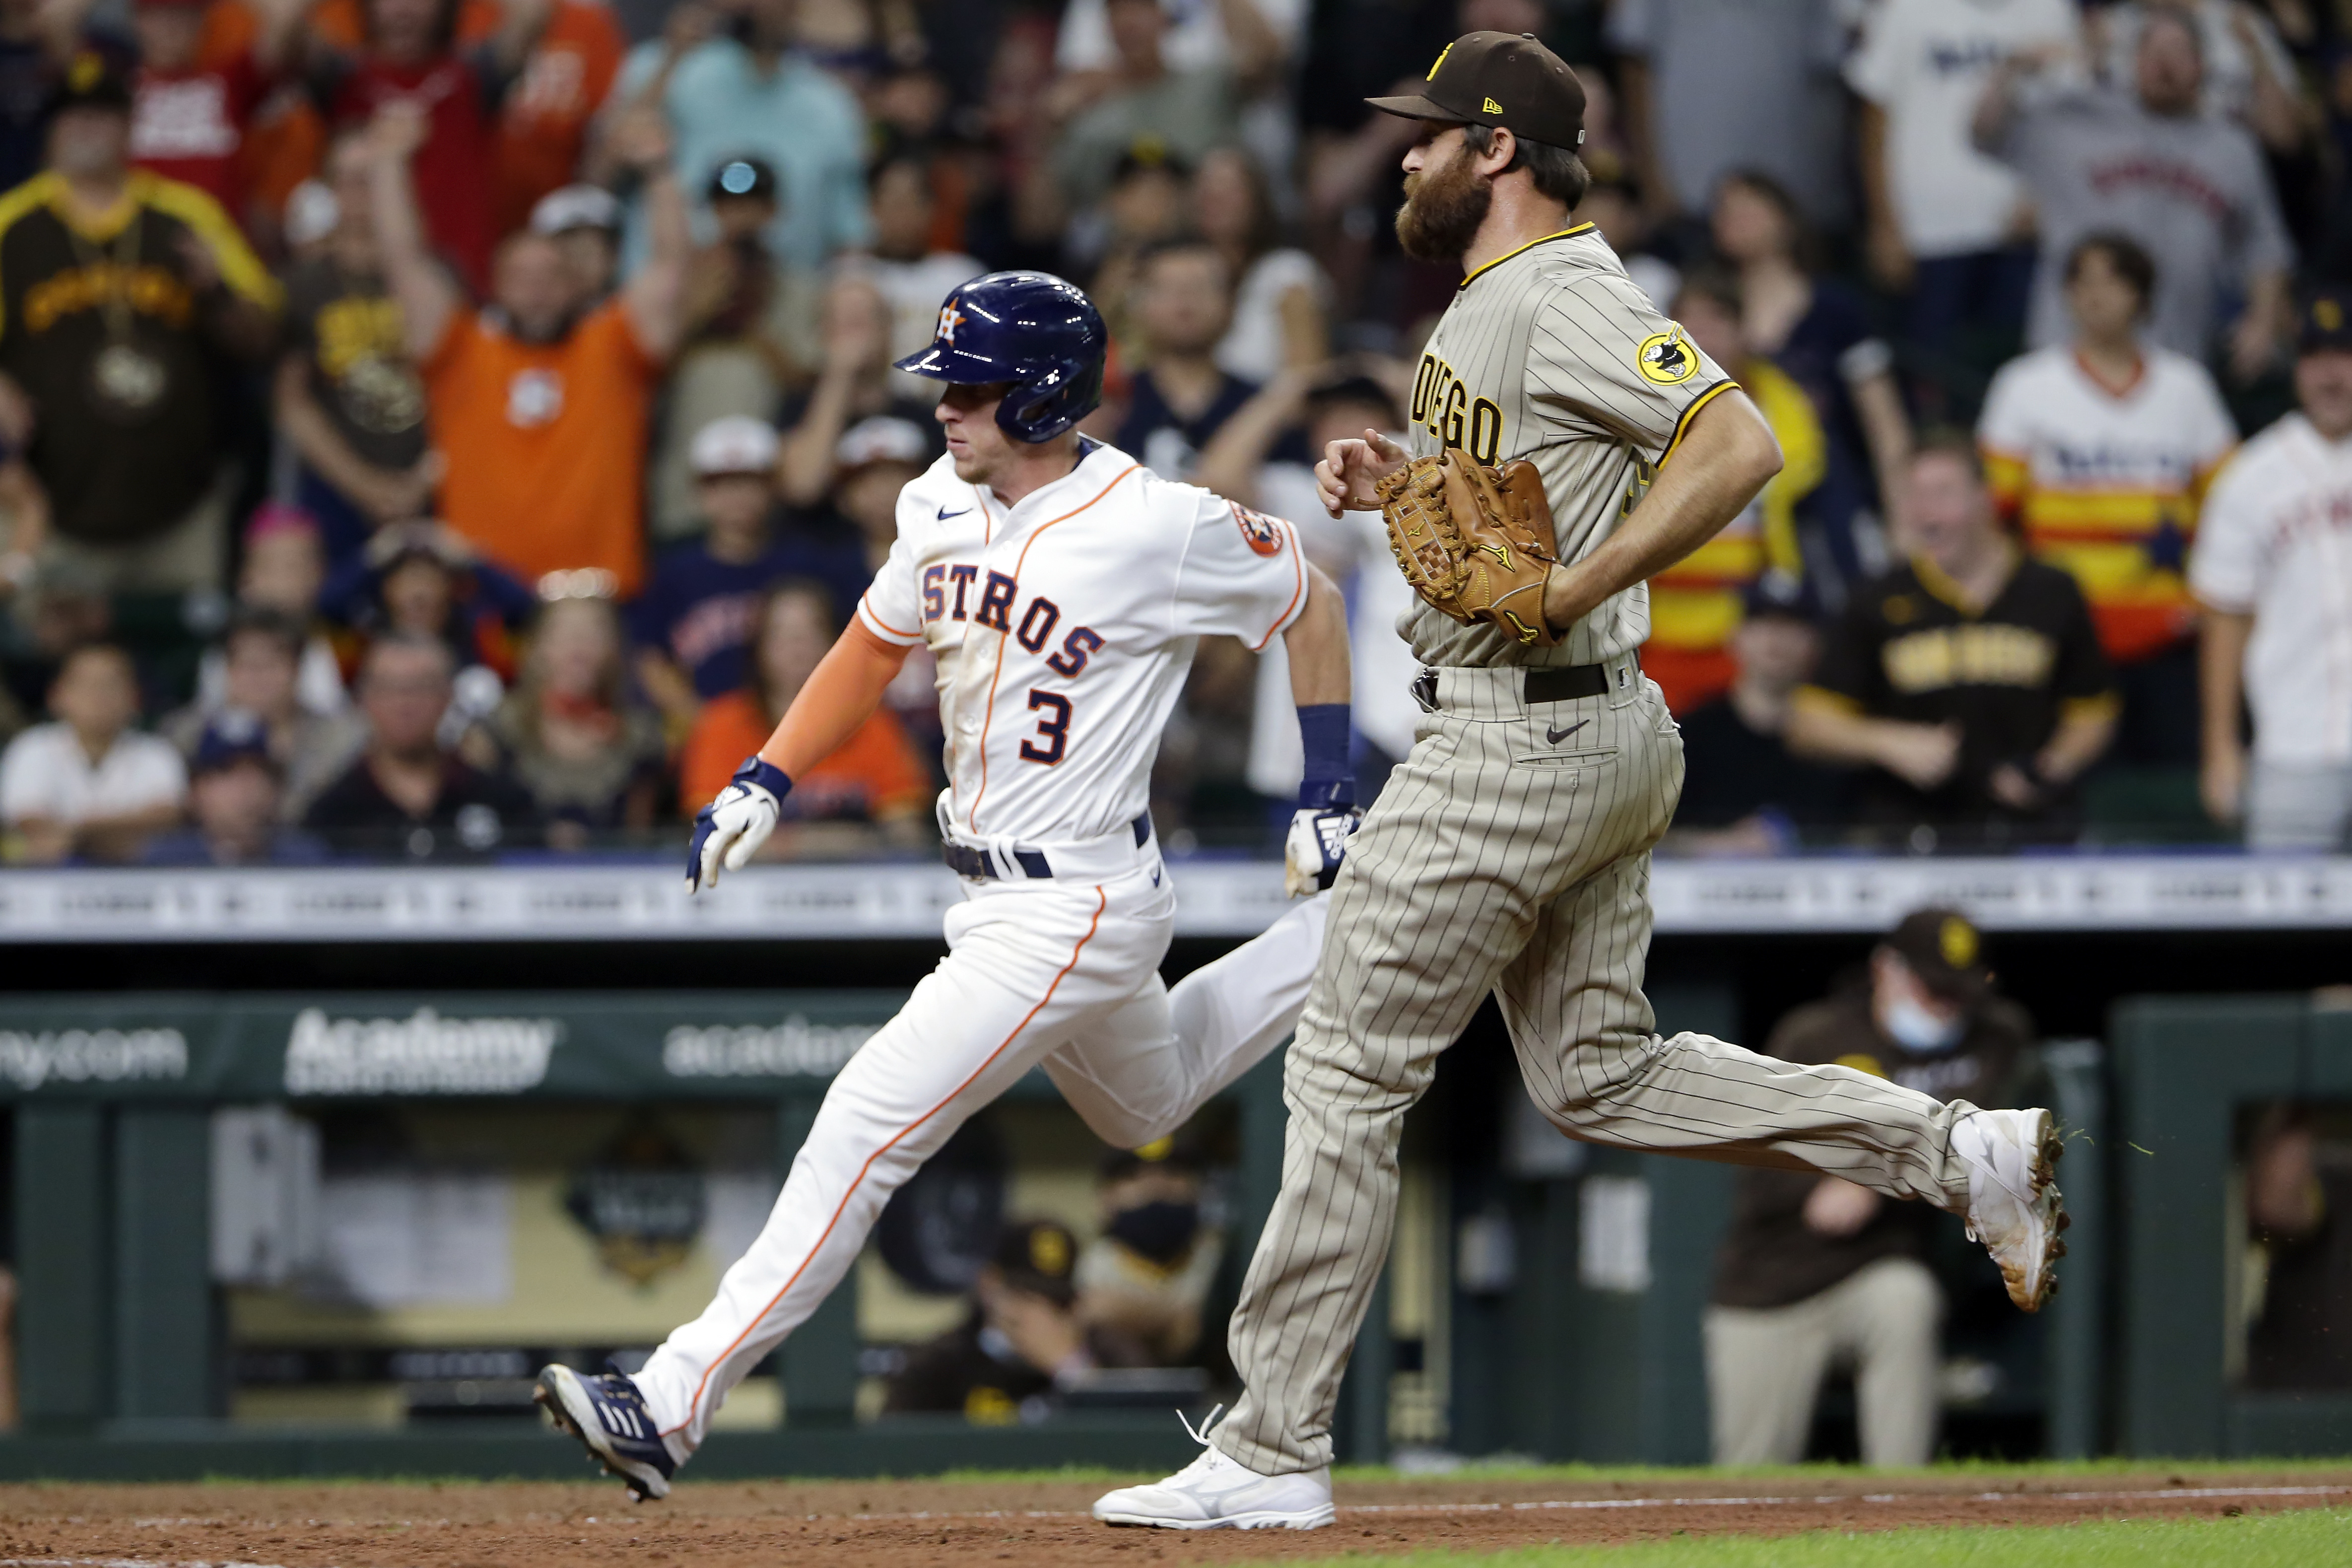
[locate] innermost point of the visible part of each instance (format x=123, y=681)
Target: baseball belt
x=1566, y=684
x=978, y=860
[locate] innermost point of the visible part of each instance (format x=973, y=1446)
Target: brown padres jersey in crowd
x=105, y=332
x=1551, y=353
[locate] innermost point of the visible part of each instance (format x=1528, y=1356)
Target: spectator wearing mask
x=913, y=274
x=2274, y=573
x=1743, y=792
x=1189, y=110
x=2297, y=1199
x=1695, y=604
x=870, y=793
x=409, y=796
x=123, y=298
x=585, y=222
x=1143, y=1282
x=348, y=396
x=1711, y=86
x=1281, y=301
x=1815, y=1269
x=410, y=53
x=1176, y=402
x=1947, y=225
x=1816, y=331
x=539, y=404
x=2144, y=162
x=259, y=696
x=570, y=734
x=856, y=384
x=237, y=795
x=1020, y=1344
x=748, y=94
x=751, y=333
x=1968, y=680
x=2101, y=450
x=87, y=783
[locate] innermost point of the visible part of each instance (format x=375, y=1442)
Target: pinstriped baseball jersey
x=1552, y=354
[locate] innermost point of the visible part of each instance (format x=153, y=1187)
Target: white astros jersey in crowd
x=1064, y=628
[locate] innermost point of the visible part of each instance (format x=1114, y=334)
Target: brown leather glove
x=1477, y=542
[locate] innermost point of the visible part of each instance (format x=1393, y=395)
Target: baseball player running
x=1062, y=588
x=1510, y=852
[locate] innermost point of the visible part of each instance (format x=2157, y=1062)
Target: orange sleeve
x=725, y=732
x=840, y=696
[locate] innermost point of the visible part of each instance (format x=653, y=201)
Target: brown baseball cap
x=1508, y=79
x=1946, y=950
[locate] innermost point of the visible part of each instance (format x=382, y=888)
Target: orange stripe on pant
x=702, y=1386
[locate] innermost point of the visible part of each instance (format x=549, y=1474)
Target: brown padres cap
x=1499, y=78
x=1946, y=952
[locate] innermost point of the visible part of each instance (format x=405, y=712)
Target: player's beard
x=1442, y=212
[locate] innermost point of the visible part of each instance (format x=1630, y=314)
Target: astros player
x=1061, y=587
x=1510, y=851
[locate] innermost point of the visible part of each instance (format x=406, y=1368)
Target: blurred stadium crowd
x=449, y=427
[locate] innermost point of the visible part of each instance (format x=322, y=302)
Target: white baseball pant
x=1048, y=972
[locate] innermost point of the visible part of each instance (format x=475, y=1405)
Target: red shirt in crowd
x=451, y=169
x=191, y=125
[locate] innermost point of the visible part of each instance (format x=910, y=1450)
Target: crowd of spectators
x=436, y=427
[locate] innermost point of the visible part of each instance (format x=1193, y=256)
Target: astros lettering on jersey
x=1064, y=627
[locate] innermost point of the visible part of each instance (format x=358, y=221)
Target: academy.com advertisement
x=618, y=1045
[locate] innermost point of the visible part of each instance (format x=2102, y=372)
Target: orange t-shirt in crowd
x=543, y=121
x=875, y=774
x=545, y=443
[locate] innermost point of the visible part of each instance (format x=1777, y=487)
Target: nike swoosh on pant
x=1556, y=736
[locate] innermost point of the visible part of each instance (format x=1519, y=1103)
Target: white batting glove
x=731, y=829
x=1317, y=843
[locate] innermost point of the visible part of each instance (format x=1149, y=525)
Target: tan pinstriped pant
x=1510, y=853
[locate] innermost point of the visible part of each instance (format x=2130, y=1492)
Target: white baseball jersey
x=1064, y=627
x=2276, y=544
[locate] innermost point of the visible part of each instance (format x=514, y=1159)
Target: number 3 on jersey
x=1054, y=728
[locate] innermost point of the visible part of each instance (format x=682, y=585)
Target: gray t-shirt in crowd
x=1744, y=84
x=2192, y=189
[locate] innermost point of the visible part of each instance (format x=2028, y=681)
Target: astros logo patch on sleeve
x=1668, y=358
x=1262, y=532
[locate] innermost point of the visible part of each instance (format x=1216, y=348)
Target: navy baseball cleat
x=608, y=1414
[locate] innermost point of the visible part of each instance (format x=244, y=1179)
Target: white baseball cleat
x=1214, y=1492
x=2014, y=1207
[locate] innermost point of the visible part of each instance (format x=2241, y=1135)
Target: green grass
x=2315, y=1537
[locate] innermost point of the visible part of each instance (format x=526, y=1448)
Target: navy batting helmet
x=1032, y=329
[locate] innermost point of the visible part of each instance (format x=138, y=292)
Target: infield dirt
x=898, y=1524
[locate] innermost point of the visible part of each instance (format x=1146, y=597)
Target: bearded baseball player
x=1062, y=588
x=1510, y=852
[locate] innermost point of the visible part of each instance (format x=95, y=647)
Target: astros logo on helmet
x=1035, y=332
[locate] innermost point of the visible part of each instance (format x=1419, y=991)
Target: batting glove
x=1317, y=840
x=731, y=829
